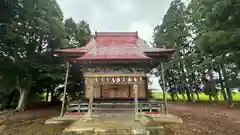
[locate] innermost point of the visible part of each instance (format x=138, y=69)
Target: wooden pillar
x=164, y=89
x=65, y=89
x=90, y=106
x=135, y=88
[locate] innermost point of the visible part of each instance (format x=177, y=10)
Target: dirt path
x=205, y=120
x=30, y=123
x=198, y=120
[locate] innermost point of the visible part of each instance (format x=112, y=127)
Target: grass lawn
x=203, y=97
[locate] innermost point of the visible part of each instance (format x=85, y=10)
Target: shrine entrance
x=114, y=86
x=115, y=91
x=115, y=65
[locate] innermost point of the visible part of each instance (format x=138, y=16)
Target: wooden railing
x=144, y=106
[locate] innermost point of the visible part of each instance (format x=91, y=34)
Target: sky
x=118, y=15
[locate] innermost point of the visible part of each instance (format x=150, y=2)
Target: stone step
x=89, y=131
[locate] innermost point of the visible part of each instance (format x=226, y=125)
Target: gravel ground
x=204, y=119
x=199, y=119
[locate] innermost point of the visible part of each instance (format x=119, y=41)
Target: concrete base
x=164, y=118
x=116, y=124
x=66, y=118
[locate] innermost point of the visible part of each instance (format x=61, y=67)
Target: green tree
x=78, y=33
x=31, y=32
x=173, y=33
x=219, y=37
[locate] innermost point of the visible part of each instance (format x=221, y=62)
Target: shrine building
x=115, y=64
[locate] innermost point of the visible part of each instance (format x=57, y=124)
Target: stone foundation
x=115, y=124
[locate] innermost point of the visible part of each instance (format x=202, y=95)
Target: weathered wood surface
x=113, y=90
x=142, y=106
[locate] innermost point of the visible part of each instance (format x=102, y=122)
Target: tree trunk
x=191, y=82
x=230, y=98
x=229, y=92
x=183, y=77
x=23, y=92
x=183, y=94
x=189, y=98
x=177, y=96
x=212, y=83
x=198, y=97
x=10, y=99
x=52, y=97
x=210, y=97
x=22, y=98
x=172, y=96
x=182, y=90
x=47, y=96
x=192, y=93
x=222, y=85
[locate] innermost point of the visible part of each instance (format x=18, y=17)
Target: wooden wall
x=113, y=90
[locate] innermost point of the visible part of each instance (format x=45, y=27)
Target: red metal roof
x=73, y=50
x=115, y=46
x=84, y=49
x=116, y=34
x=122, y=46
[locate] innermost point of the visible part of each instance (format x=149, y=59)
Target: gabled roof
x=116, y=34
x=114, y=46
x=110, y=46
x=84, y=49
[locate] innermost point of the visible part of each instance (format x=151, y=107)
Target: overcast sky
x=118, y=15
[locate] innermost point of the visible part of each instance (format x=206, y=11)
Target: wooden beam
x=101, y=90
x=129, y=90
x=135, y=88
x=164, y=89
x=90, y=104
x=97, y=75
x=65, y=89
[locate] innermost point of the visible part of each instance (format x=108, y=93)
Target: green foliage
x=78, y=34
x=172, y=32
x=30, y=32
x=206, y=37
x=202, y=96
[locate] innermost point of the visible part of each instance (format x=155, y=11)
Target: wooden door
x=108, y=91
x=115, y=91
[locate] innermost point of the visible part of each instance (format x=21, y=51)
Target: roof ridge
x=140, y=50
x=89, y=49
x=116, y=34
